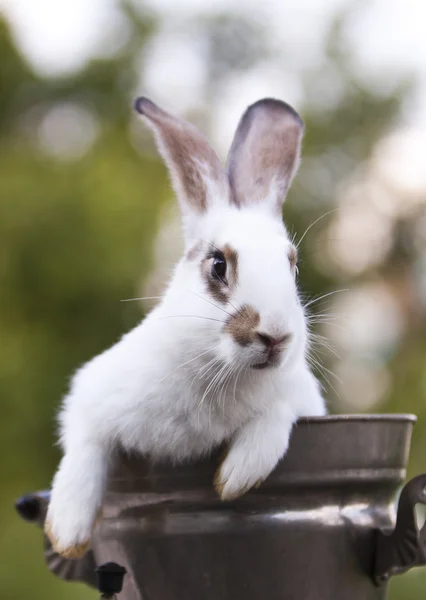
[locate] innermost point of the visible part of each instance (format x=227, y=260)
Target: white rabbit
x=222, y=358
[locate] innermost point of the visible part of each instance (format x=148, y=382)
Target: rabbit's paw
x=69, y=528
x=238, y=474
x=75, y=550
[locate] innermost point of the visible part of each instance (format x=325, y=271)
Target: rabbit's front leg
x=255, y=451
x=77, y=496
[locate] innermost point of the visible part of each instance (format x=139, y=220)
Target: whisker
x=209, y=367
x=314, y=223
x=325, y=318
x=211, y=244
x=240, y=370
x=322, y=367
x=212, y=303
x=188, y=362
x=337, y=378
x=330, y=324
x=144, y=298
x=315, y=300
x=318, y=366
x=320, y=342
x=212, y=383
x=215, y=389
x=208, y=363
x=314, y=320
x=239, y=310
x=326, y=314
x=226, y=381
x=190, y=317
x=205, y=369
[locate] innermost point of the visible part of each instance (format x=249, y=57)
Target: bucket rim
x=373, y=417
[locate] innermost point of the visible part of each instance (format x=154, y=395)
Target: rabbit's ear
x=265, y=153
x=198, y=177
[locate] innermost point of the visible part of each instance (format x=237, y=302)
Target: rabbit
x=223, y=358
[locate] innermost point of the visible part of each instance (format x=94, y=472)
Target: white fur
x=178, y=385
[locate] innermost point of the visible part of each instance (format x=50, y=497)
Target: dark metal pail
x=321, y=527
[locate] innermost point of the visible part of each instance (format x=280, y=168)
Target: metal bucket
x=320, y=527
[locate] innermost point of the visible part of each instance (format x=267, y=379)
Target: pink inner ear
x=197, y=175
x=264, y=155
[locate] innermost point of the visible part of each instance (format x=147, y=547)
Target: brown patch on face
x=292, y=257
x=242, y=326
x=216, y=290
x=193, y=252
x=231, y=257
x=219, y=289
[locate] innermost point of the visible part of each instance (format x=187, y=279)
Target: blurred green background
x=87, y=218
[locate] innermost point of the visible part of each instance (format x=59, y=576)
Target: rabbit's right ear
x=264, y=155
x=198, y=177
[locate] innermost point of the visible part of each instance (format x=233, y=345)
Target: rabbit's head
x=238, y=275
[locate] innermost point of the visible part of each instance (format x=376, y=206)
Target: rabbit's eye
x=219, y=266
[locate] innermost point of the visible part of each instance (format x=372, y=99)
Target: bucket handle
x=33, y=508
x=405, y=546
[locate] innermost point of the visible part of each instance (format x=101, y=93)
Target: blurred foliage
x=76, y=236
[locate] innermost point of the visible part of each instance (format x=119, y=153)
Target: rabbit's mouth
x=272, y=360
x=263, y=365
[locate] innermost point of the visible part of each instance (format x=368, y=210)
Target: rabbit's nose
x=273, y=342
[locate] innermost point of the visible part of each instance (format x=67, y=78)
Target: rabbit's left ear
x=264, y=155
x=199, y=179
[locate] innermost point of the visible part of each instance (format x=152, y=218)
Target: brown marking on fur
x=265, y=152
x=218, y=289
x=215, y=287
x=292, y=257
x=219, y=485
x=193, y=252
x=217, y=481
x=231, y=257
x=183, y=147
x=191, y=160
x=73, y=552
x=242, y=326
